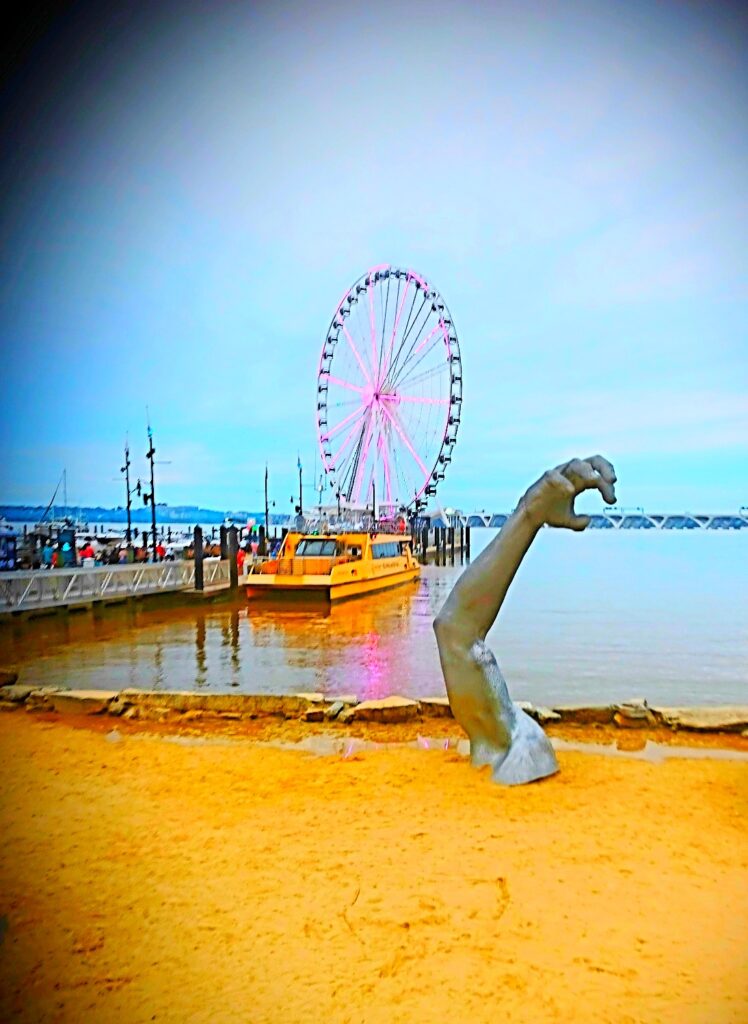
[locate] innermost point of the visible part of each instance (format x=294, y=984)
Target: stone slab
x=15, y=693
x=8, y=677
x=585, y=714
x=249, y=705
x=388, y=709
x=82, y=702
x=721, y=718
x=435, y=707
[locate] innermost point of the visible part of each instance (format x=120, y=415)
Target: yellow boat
x=335, y=566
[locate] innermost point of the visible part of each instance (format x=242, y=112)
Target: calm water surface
x=597, y=616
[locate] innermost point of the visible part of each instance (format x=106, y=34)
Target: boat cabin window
x=354, y=551
x=316, y=548
x=388, y=550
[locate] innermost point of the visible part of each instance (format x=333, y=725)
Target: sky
x=189, y=189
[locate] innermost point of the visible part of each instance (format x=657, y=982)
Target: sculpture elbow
x=441, y=625
x=449, y=634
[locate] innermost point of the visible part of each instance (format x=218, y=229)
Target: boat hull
x=324, y=587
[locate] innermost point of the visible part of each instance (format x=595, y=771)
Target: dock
x=48, y=590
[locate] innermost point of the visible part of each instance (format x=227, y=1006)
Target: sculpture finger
x=578, y=523
x=581, y=474
x=607, y=477
x=559, y=481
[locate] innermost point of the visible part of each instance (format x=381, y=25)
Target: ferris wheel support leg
x=501, y=734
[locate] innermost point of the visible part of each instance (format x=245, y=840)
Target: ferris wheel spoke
x=405, y=439
x=386, y=464
x=406, y=331
x=364, y=455
x=344, y=405
x=342, y=383
x=397, y=398
x=408, y=328
x=413, y=350
x=374, y=360
x=384, y=325
x=397, y=324
x=357, y=413
x=358, y=426
x=447, y=343
x=421, y=378
x=355, y=352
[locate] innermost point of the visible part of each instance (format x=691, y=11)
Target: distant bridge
x=615, y=520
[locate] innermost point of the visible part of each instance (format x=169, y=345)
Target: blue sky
x=192, y=188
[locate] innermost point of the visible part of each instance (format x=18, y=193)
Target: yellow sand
x=147, y=880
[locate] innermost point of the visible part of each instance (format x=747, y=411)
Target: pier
x=39, y=590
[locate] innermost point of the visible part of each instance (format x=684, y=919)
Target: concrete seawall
x=188, y=706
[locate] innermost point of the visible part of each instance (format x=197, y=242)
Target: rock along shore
x=188, y=706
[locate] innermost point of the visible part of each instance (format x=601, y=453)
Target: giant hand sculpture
x=501, y=734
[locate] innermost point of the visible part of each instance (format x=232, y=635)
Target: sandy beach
x=151, y=876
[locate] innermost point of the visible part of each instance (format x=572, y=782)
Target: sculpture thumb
x=578, y=523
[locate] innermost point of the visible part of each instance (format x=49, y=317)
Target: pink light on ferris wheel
x=386, y=465
x=360, y=470
x=386, y=369
x=356, y=414
x=330, y=464
x=343, y=383
x=405, y=439
x=355, y=352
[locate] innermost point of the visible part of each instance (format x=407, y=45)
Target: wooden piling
x=198, y=546
x=233, y=547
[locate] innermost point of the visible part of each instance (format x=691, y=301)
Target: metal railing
x=48, y=588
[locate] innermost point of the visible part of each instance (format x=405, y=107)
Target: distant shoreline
x=179, y=514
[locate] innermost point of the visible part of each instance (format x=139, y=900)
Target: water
x=592, y=617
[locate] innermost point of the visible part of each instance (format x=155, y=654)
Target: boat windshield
x=315, y=548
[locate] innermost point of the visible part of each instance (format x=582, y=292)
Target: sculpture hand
x=551, y=499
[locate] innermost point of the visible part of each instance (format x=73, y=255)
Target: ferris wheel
x=389, y=391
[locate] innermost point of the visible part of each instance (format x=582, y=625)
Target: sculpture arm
x=477, y=596
x=476, y=688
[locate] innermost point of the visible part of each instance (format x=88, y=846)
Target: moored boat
x=335, y=566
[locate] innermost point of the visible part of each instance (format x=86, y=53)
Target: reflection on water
x=591, y=617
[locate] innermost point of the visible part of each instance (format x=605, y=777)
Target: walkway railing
x=48, y=588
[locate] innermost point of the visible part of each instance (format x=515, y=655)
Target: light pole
x=267, y=507
x=126, y=470
x=151, y=498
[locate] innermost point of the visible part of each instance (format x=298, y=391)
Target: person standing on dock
x=47, y=553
